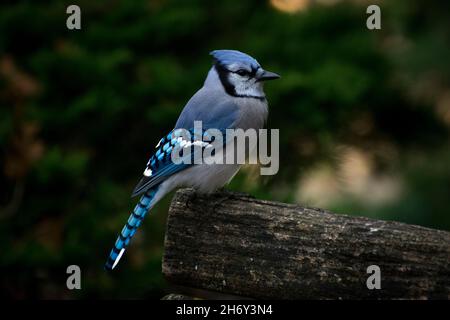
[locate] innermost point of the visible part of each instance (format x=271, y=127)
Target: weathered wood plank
x=236, y=244
x=175, y=296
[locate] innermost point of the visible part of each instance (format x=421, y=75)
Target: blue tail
x=134, y=221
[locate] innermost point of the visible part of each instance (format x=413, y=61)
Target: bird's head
x=240, y=74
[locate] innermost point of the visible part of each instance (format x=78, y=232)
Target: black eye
x=242, y=72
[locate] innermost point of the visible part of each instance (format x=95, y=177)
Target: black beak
x=267, y=75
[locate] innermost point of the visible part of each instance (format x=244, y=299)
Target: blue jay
x=232, y=97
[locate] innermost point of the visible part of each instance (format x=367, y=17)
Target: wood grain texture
x=233, y=243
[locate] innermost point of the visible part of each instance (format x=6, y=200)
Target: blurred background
x=364, y=120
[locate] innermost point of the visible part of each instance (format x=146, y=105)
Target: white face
x=246, y=85
x=245, y=82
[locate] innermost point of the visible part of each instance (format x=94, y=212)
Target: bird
x=232, y=97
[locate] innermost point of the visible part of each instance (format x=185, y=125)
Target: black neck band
x=229, y=88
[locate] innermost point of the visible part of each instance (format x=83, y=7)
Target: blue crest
x=227, y=57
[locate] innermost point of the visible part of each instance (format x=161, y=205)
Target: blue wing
x=160, y=166
x=204, y=107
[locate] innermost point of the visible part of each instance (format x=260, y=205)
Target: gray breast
x=252, y=113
